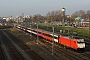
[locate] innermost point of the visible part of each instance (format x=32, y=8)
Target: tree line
x=57, y=15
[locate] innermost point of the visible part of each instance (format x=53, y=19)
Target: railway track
x=2, y=57
x=24, y=48
x=12, y=45
x=58, y=51
x=13, y=52
x=86, y=54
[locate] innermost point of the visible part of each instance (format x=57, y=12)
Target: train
x=73, y=43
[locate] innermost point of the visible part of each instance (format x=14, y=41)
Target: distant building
x=81, y=22
x=86, y=22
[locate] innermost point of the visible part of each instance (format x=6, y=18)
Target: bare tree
x=48, y=16
x=88, y=12
x=82, y=13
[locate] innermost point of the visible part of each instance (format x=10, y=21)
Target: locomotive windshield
x=80, y=41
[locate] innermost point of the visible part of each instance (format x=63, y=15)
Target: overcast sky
x=32, y=7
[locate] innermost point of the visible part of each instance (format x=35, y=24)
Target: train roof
x=45, y=32
x=39, y=30
x=54, y=35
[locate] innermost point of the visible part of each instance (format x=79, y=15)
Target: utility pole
x=53, y=42
x=68, y=29
x=23, y=18
x=12, y=21
x=37, y=34
x=31, y=33
x=37, y=30
x=89, y=27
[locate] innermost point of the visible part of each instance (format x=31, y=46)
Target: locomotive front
x=81, y=44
